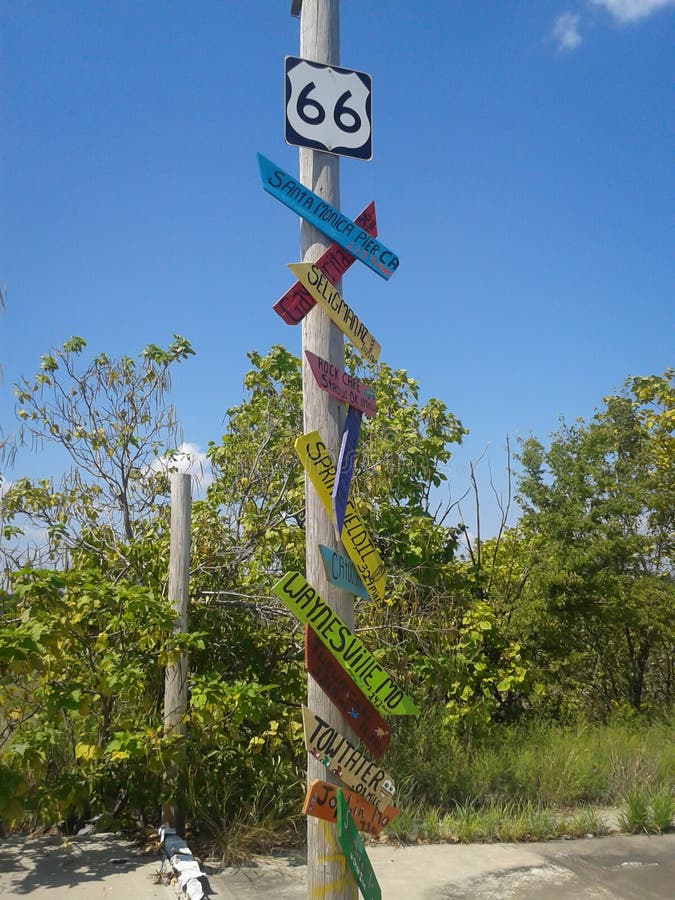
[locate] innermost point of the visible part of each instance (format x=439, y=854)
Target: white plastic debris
x=187, y=869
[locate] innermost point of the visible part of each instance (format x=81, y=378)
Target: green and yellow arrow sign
x=377, y=685
x=332, y=303
x=359, y=545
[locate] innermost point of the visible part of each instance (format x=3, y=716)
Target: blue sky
x=522, y=169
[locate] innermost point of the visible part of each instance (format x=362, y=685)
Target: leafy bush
x=81, y=678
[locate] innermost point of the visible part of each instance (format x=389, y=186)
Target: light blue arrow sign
x=327, y=219
x=341, y=572
x=345, y=466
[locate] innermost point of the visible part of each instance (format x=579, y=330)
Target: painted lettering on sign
x=359, y=545
x=297, y=301
x=344, y=759
x=355, y=852
x=365, y=671
x=321, y=802
x=330, y=300
x=340, y=571
x=341, y=384
x=359, y=712
x=327, y=219
x=345, y=467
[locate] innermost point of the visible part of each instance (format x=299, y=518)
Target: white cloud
x=189, y=460
x=632, y=10
x=565, y=32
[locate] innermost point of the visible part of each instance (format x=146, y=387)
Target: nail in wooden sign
x=327, y=219
x=344, y=759
x=321, y=802
x=345, y=467
x=297, y=301
x=363, y=718
x=329, y=299
x=378, y=686
x=340, y=571
x=354, y=851
x=357, y=542
x=341, y=384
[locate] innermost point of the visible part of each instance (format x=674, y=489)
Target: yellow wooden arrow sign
x=329, y=299
x=344, y=759
x=359, y=545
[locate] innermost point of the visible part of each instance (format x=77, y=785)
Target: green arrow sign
x=352, y=847
x=377, y=685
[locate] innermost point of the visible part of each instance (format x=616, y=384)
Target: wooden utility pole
x=327, y=873
x=175, y=679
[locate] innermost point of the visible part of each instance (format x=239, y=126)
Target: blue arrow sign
x=345, y=466
x=371, y=251
x=340, y=571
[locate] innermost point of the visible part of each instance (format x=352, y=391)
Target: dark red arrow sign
x=297, y=302
x=358, y=712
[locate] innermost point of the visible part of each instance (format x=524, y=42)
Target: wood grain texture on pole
x=175, y=679
x=328, y=876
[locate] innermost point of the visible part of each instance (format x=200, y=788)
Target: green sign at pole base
x=352, y=847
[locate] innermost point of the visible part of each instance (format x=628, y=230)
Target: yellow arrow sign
x=360, y=548
x=345, y=760
x=329, y=299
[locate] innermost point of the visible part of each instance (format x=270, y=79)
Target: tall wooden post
x=327, y=873
x=175, y=679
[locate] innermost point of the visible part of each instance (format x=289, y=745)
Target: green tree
x=81, y=678
x=600, y=505
x=258, y=486
x=258, y=490
x=112, y=419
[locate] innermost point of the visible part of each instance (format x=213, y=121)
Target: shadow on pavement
x=76, y=865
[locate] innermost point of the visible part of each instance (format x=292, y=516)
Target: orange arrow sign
x=321, y=802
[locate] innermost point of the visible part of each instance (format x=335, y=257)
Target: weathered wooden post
x=327, y=875
x=175, y=681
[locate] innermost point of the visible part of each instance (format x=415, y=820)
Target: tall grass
x=647, y=811
x=541, y=763
x=532, y=782
x=494, y=820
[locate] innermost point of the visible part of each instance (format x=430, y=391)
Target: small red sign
x=342, y=385
x=297, y=301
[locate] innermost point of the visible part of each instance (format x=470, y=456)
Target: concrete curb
x=186, y=868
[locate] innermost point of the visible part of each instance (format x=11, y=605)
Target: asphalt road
x=620, y=867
